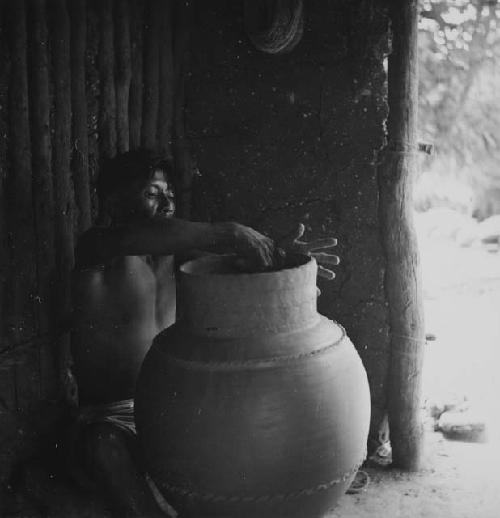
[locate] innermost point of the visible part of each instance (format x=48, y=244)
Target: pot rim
x=189, y=267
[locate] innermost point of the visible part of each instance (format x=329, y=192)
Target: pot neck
x=236, y=305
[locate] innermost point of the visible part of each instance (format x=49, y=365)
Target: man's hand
x=256, y=250
x=292, y=244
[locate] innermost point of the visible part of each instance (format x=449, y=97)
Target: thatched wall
x=79, y=80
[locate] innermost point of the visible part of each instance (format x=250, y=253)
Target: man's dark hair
x=131, y=166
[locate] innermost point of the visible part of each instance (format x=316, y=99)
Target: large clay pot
x=253, y=404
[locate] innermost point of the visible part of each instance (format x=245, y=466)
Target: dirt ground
x=459, y=479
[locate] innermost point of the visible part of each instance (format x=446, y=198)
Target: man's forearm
x=174, y=236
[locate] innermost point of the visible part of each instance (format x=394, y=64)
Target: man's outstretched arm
x=169, y=237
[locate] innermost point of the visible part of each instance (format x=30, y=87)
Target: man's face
x=151, y=199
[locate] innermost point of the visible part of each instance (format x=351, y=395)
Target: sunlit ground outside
x=462, y=311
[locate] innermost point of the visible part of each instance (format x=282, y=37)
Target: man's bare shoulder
x=99, y=249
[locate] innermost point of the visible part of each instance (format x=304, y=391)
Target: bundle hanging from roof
x=274, y=26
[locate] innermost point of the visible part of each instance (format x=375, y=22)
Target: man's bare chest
x=133, y=288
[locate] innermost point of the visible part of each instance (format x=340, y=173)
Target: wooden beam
x=184, y=165
x=42, y=160
x=166, y=94
x=63, y=186
x=123, y=73
x=24, y=295
x=5, y=63
x=92, y=80
x=80, y=144
x=64, y=196
x=21, y=283
x=107, y=112
x=43, y=192
x=7, y=372
x=402, y=278
x=151, y=75
x=136, y=86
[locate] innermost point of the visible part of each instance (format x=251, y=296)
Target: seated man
x=124, y=294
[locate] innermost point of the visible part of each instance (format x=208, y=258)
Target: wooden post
x=7, y=372
x=43, y=195
x=165, y=112
x=92, y=80
x=23, y=295
x=151, y=75
x=136, y=87
x=107, y=112
x=5, y=63
x=123, y=74
x=42, y=156
x=62, y=145
x=402, y=279
x=19, y=191
x=184, y=166
x=63, y=187
x=80, y=145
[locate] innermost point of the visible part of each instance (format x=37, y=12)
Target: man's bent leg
x=105, y=454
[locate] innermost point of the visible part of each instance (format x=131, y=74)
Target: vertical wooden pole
x=80, y=145
x=23, y=296
x=5, y=62
x=19, y=188
x=166, y=94
x=7, y=375
x=136, y=87
x=123, y=73
x=43, y=195
x=42, y=158
x=63, y=187
x=92, y=80
x=151, y=75
x=184, y=165
x=402, y=276
x=107, y=112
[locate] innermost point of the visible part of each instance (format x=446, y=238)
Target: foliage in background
x=459, y=110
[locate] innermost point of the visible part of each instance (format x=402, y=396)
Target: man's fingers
x=266, y=253
x=300, y=231
x=269, y=258
x=325, y=273
x=291, y=238
x=318, y=244
x=325, y=258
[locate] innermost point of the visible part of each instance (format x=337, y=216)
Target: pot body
x=253, y=404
